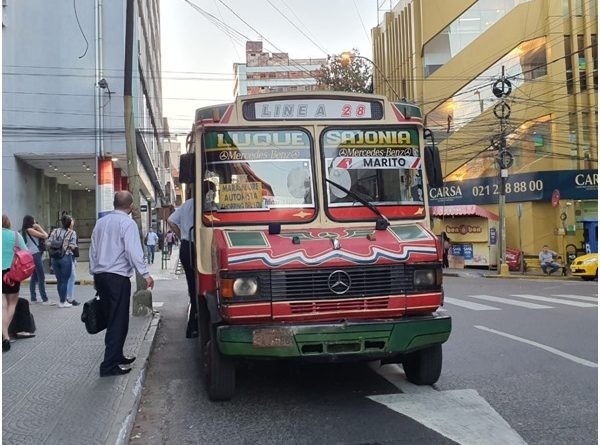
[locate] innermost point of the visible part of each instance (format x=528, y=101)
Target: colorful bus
x=312, y=232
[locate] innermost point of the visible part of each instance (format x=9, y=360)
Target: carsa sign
x=522, y=187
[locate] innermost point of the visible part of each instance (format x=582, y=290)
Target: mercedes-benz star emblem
x=339, y=282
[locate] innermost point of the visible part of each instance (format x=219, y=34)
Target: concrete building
x=64, y=139
x=266, y=72
x=446, y=56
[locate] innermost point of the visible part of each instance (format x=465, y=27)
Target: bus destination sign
x=311, y=109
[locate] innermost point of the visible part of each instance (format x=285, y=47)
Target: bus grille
x=371, y=281
x=339, y=306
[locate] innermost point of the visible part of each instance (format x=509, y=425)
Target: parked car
x=585, y=266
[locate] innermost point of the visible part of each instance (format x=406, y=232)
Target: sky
x=198, y=55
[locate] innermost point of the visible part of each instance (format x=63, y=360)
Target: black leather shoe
x=127, y=360
x=115, y=371
x=5, y=344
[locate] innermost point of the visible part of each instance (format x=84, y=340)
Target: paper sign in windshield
x=243, y=195
x=350, y=163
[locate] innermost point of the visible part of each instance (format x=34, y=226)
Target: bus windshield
x=257, y=171
x=382, y=165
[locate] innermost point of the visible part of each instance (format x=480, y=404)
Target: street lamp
x=347, y=57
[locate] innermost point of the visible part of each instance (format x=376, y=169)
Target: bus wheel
x=220, y=375
x=423, y=367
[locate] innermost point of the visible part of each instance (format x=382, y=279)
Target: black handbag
x=93, y=316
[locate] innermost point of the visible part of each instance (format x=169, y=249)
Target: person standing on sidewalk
x=151, y=241
x=35, y=237
x=63, y=265
x=181, y=222
x=10, y=293
x=114, y=252
x=71, y=283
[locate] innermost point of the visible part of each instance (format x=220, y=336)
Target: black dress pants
x=187, y=255
x=114, y=292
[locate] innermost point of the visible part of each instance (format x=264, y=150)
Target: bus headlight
x=245, y=287
x=425, y=278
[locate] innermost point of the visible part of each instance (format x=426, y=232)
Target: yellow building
x=446, y=57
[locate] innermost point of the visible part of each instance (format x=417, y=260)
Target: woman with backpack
x=61, y=243
x=35, y=238
x=10, y=292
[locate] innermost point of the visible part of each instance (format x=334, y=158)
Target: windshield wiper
x=381, y=223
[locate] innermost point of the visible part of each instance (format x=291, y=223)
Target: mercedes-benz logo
x=339, y=282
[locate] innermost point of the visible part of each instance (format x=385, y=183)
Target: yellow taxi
x=585, y=266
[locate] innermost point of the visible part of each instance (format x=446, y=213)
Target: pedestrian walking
x=71, y=283
x=181, y=222
x=151, y=242
x=114, y=252
x=170, y=240
x=62, y=242
x=35, y=237
x=10, y=292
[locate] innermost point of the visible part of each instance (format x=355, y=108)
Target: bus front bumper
x=364, y=340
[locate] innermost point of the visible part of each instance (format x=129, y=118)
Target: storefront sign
x=463, y=250
x=521, y=187
x=492, y=235
x=466, y=228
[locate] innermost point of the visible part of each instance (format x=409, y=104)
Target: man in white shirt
x=115, y=251
x=181, y=222
x=547, y=261
x=151, y=241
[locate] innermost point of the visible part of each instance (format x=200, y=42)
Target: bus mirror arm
x=382, y=223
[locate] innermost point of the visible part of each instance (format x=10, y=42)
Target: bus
x=312, y=234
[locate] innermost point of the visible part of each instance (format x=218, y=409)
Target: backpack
x=22, y=266
x=56, y=249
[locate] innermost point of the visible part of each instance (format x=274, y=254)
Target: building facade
x=266, y=72
x=447, y=56
x=64, y=135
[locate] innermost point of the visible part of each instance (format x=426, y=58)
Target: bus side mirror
x=187, y=174
x=433, y=163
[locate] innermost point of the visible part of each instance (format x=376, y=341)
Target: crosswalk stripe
x=554, y=300
x=470, y=305
x=577, y=297
x=511, y=302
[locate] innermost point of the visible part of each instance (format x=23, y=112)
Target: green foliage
x=343, y=74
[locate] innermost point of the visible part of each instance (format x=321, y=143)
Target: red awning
x=463, y=210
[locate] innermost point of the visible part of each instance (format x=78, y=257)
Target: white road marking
x=512, y=302
x=157, y=304
x=555, y=351
x=577, y=297
x=470, y=305
x=460, y=415
x=553, y=300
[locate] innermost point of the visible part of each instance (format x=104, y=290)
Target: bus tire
x=423, y=367
x=220, y=372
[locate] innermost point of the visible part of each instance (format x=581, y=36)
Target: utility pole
x=502, y=89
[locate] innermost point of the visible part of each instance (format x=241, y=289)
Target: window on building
x=581, y=62
x=595, y=59
x=568, y=64
x=533, y=59
x=464, y=30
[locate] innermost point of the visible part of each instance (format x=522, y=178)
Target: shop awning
x=463, y=210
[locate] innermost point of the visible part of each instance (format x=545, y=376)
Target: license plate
x=272, y=338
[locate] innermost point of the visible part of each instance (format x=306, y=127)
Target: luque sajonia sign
x=520, y=187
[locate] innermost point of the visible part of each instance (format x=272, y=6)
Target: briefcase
x=93, y=316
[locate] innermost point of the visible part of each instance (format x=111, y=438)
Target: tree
x=347, y=72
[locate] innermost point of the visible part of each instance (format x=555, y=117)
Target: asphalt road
x=509, y=371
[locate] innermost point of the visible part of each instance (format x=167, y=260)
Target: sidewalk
x=52, y=391
x=485, y=273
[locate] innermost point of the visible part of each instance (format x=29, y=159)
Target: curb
x=128, y=407
x=511, y=277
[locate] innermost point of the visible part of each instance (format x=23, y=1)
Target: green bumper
x=370, y=340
